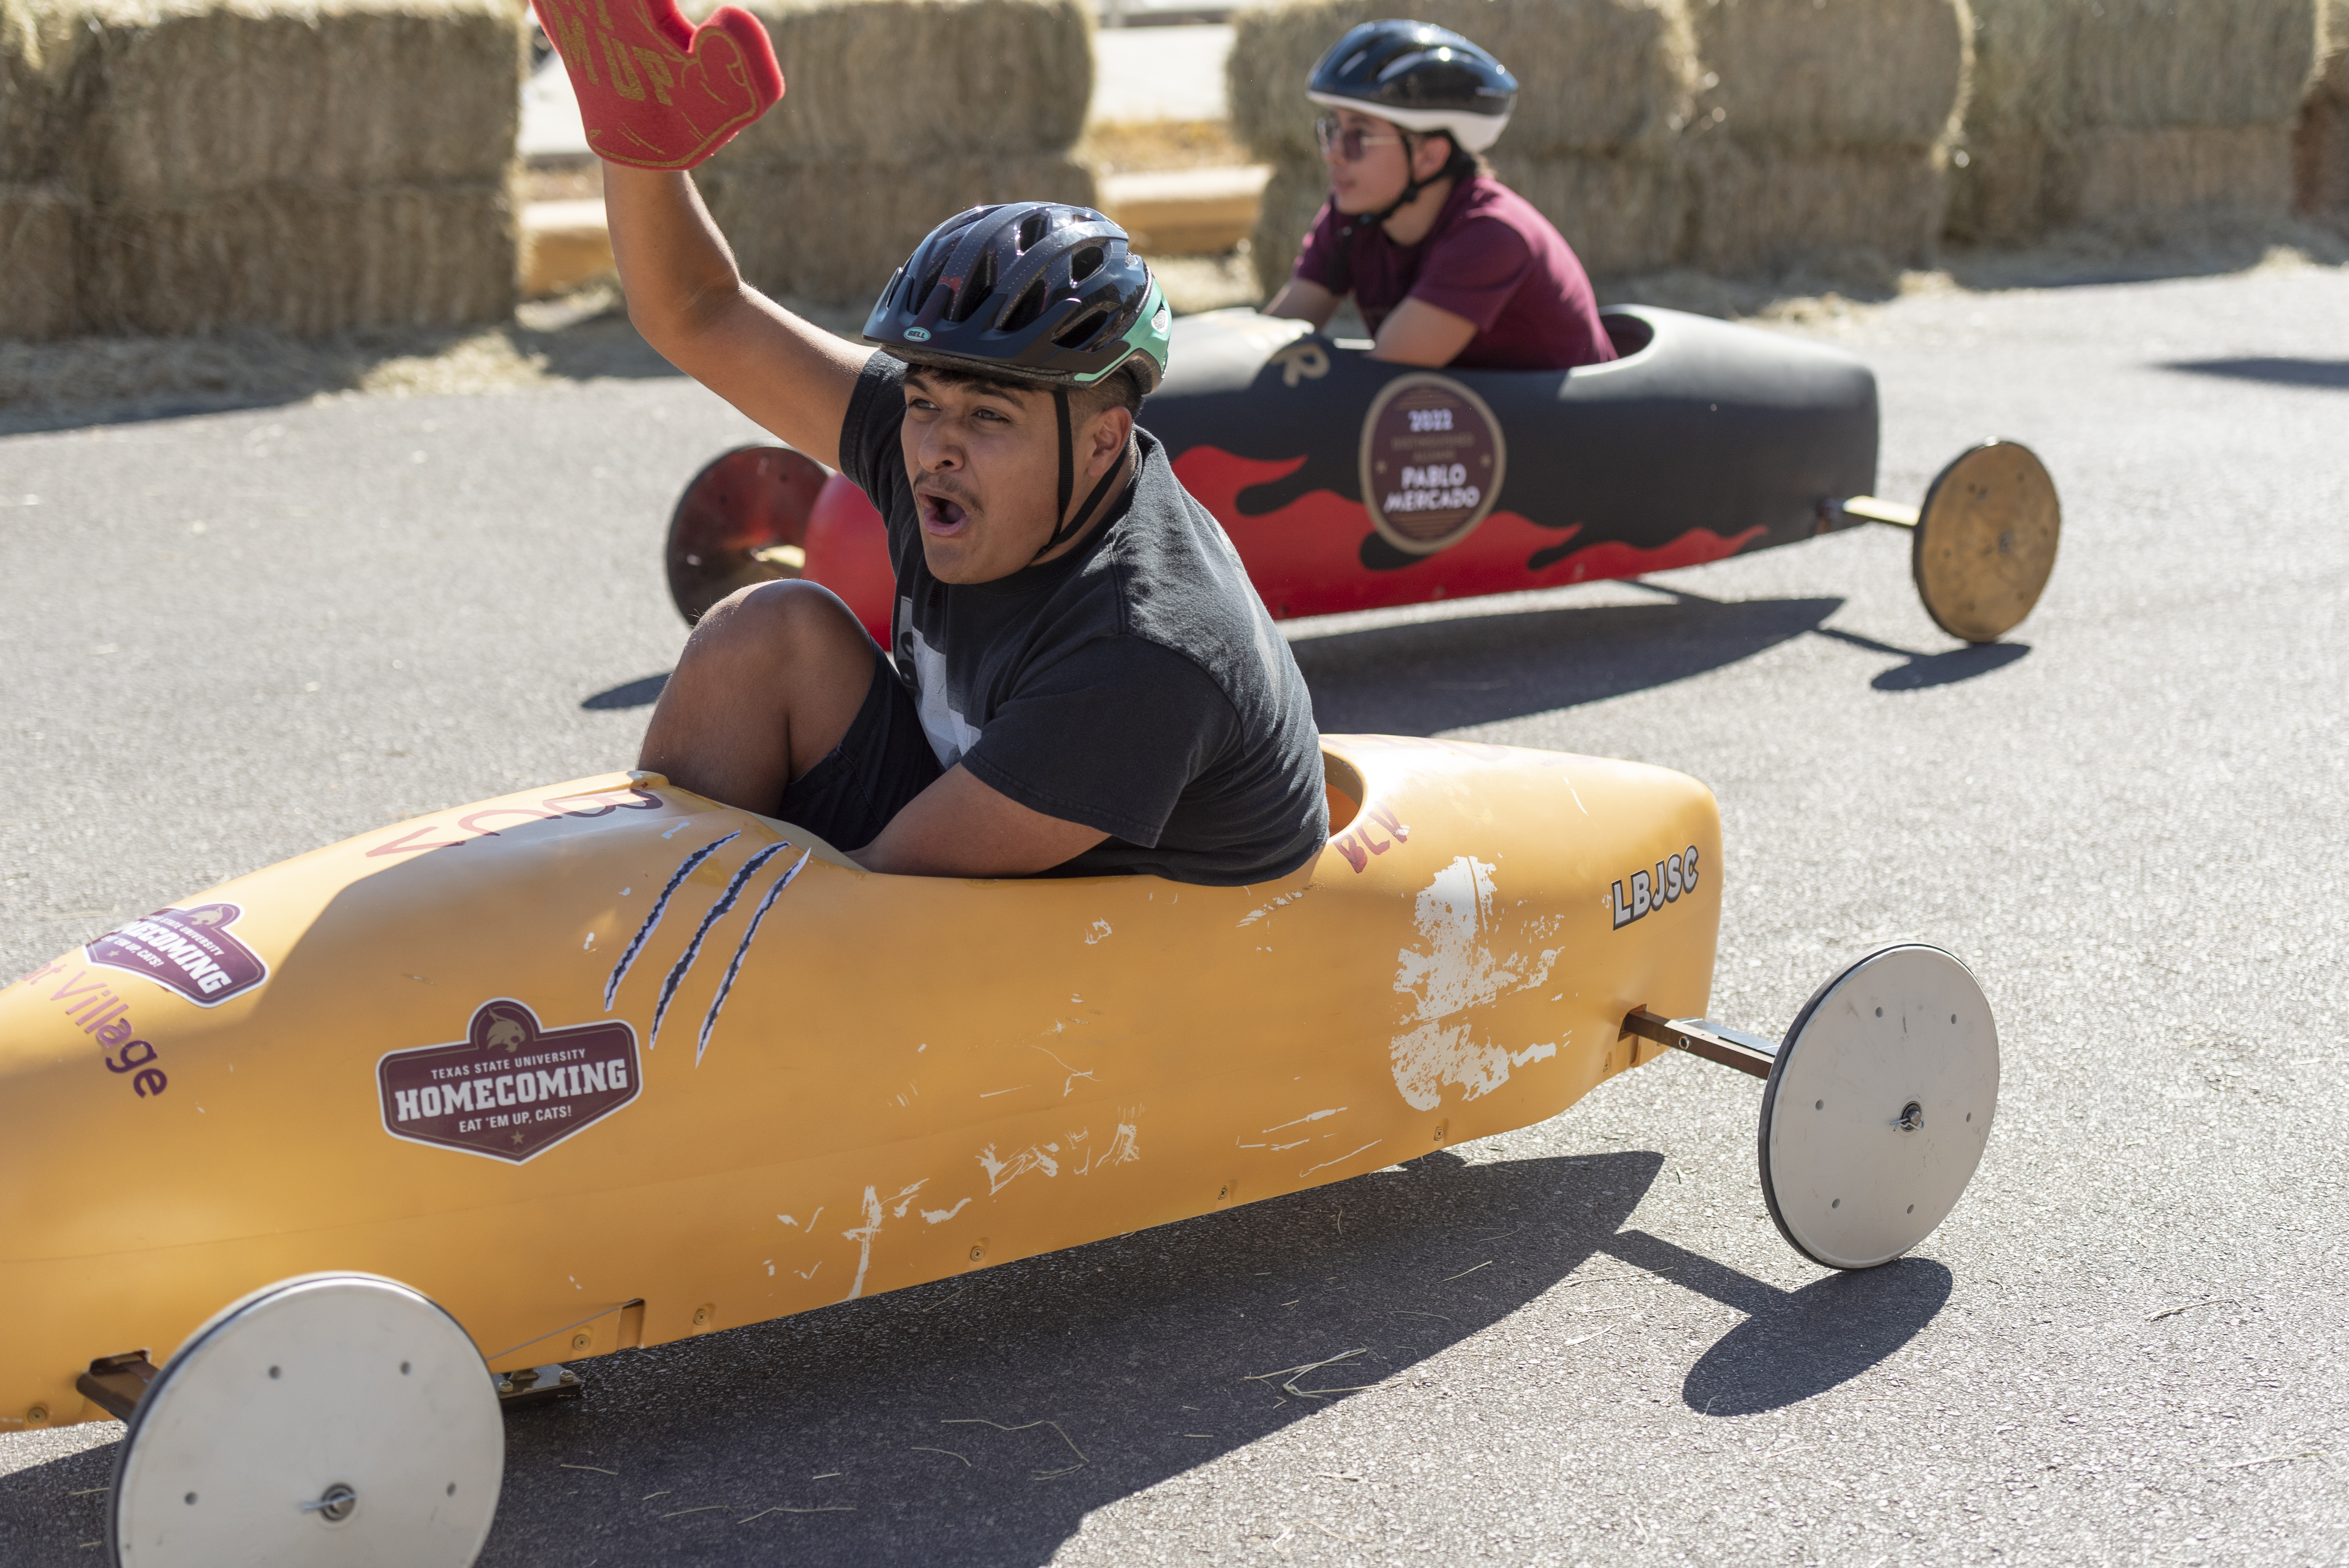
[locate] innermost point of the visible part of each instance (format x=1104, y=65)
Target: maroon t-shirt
x=1491, y=258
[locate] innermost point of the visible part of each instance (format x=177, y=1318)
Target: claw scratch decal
x=660, y=907
x=693, y=948
x=735, y=968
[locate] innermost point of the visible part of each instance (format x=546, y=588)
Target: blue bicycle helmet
x=1038, y=293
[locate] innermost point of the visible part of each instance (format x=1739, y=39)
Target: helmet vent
x=976, y=291
x=1077, y=333
x=1032, y=228
x=1085, y=264
x=1026, y=308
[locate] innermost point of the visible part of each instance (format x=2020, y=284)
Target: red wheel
x=743, y=520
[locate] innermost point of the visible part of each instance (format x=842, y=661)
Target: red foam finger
x=655, y=91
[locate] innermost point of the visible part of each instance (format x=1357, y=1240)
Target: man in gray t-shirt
x=1085, y=681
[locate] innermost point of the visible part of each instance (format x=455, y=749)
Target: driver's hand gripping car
x=656, y=92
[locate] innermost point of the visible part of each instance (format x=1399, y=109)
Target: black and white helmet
x=1419, y=77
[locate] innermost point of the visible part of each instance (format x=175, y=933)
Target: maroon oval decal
x=1432, y=462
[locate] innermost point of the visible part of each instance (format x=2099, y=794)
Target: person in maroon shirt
x=1448, y=265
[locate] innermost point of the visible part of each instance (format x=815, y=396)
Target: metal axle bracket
x=536, y=1385
x=115, y=1383
x=1703, y=1038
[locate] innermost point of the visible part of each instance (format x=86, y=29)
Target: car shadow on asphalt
x=642, y=692
x=1425, y=677
x=1794, y=1344
x=2332, y=374
x=978, y=1421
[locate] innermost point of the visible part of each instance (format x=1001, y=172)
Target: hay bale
x=2047, y=67
x=2116, y=175
x=192, y=98
x=1998, y=189
x=2321, y=140
x=304, y=260
x=1597, y=75
x=2152, y=64
x=835, y=232
x=1291, y=198
x=1764, y=209
x=1622, y=215
x=1833, y=73
x=37, y=258
x=37, y=50
x=2052, y=76
x=895, y=81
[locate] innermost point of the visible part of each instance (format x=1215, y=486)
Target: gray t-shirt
x=1135, y=684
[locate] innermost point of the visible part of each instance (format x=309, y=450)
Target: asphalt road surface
x=234, y=638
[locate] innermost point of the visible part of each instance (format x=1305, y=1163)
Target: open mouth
x=942, y=516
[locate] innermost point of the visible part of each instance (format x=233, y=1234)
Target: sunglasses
x=1349, y=142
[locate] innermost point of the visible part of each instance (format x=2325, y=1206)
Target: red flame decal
x=1305, y=558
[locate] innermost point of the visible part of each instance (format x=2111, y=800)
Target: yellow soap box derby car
x=293, y=1174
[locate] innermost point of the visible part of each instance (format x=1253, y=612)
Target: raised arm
x=657, y=96
x=688, y=299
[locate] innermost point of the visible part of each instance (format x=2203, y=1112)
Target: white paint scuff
x=862, y=1235
x=941, y=1216
x=1261, y=911
x=1002, y=1173
x=1099, y=929
x=1457, y=972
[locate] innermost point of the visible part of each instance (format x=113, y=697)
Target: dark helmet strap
x=1064, y=532
x=1342, y=273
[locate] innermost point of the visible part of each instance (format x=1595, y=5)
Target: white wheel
x=332, y=1419
x=1878, y=1107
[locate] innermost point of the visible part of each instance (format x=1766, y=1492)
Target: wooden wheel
x=1985, y=541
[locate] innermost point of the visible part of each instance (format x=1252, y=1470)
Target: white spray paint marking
x=1301, y=1121
x=1069, y=1085
x=693, y=949
x=941, y=1216
x=1457, y=972
x=904, y=1197
x=734, y=967
x=770, y=1268
x=1015, y=1088
x=660, y=907
x=1532, y=1054
x=1099, y=929
x=809, y=1272
x=1309, y=1171
x=1261, y=911
x=674, y=831
x=787, y=1220
x=1002, y=1173
x=1570, y=790
x=1124, y=1145
x=862, y=1235
x=588, y=945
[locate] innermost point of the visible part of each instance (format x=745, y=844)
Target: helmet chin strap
x=1459, y=163
x=1064, y=532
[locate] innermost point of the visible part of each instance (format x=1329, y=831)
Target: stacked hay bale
x=2130, y=113
x=1824, y=129
x=36, y=205
x=899, y=114
x=1608, y=85
x=274, y=163
x=307, y=167
x=2321, y=140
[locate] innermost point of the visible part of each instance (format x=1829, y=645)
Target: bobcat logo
x=205, y=917
x=507, y=1035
